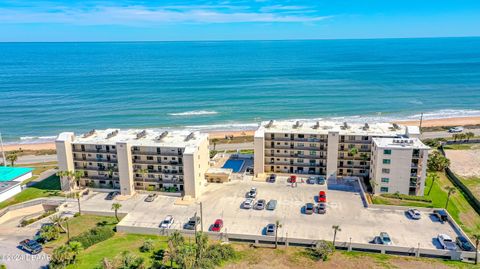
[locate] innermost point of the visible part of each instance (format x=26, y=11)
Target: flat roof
x=139, y=137
x=6, y=185
x=406, y=143
x=323, y=127
x=11, y=173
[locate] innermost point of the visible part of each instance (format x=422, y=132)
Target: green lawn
x=461, y=146
x=79, y=225
x=458, y=207
x=473, y=184
x=38, y=168
x=48, y=187
x=93, y=256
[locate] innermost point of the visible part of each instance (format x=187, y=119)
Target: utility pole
x=3, y=152
x=421, y=120
x=196, y=224
x=201, y=217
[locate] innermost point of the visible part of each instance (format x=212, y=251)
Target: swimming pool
x=235, y=165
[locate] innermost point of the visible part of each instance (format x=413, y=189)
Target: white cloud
x=134, y=15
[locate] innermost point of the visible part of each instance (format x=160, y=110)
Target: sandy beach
x=461, y=121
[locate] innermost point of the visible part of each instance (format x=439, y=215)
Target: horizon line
x=248, y=40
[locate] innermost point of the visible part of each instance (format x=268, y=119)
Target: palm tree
x=201, y=241
x=12, y=157
x=434, y=177
x=143, y=172
x=451, y=190
x=215, y=141
x=277, y=226
x=72, y=176
x=469, y=135
x=477, y=240
x=59, y=221
x=175, y=242
x=336, y=228
x=353, y=151
x=75, y=247
x=116, y=207
x=78, y=195
x=455, y=136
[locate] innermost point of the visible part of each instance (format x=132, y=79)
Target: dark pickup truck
x=31, y=246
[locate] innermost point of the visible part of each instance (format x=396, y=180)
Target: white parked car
x=414, y=213
x=248, y=203
x=457, y=129
x=167, y=222
x=446, y=242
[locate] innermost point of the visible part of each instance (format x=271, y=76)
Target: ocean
x=46, y=88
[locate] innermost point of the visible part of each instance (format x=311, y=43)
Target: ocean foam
x=194, y=113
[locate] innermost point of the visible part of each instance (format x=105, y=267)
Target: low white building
x=11, y=179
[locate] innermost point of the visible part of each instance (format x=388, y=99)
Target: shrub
x=26, y=222
x=49, y=233
x=321, y=251
x=217, y=253
x=407, y=197
x=147, y=246
x=93, y=236
x=76, y=214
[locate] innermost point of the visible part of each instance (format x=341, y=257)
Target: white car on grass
x=167, y=222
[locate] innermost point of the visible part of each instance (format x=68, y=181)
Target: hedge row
x=407, y=197
x=93, y=236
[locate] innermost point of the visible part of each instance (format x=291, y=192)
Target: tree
x=58, y=221
x=49, y=233
x=451, y=190
x=336, y=228
x=143, y=172
x=147, y=246
x=321, y=250
x=72, y=176
x=201, y=241
x=433, y=177
x=469, y=135
x=116, y=207
x=12, y=157
x=75, y=247
x=186, y=256
x=353, y=151
x=215, y=141
x=455, y=137
x=78, y=195
x=277, y=226
x=175, y=241
x=477, y=240
x=437, y=162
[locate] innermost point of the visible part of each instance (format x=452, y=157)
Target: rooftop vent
x=162, y=136
x=366, y=126
x=395, y=126
x=297, y=124
x=345, y=125
x=90, y=133
x=269, y=124
x=142, y=134
x=190, y=136
x=317, y=125
x=112, y=134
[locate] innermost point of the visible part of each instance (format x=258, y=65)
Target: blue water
x=235, y=165
x=46, y=88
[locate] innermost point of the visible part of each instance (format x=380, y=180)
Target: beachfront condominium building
x=335, y=149
x=131, y=160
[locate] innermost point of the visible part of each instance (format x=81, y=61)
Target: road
x=36, y=159
x=446, y=134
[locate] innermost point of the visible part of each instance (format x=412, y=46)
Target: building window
x=312, y=153
x=387, y=151
x=386, y=161
x=384, y=189
x=150, y=158
x=385, y=170
x=385, y=179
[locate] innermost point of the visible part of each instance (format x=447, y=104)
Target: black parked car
x=31, y=246
x=464, y=244
x=441, y=215
x=192, y=223
x=112, y=195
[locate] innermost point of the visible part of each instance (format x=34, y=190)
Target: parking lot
x=344, y=208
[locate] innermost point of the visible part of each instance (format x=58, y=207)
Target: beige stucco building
x=131, y=160
x=331, y=149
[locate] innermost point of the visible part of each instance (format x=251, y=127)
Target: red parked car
x=217, y=226
x=292, y=179
x=322, y=197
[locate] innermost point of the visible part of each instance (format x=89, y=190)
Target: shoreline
x=218, y=134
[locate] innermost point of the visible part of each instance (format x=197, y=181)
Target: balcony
x=313, y=140
x=95, y=160
x=154, y=153
x=111, y=151
x=95, y=168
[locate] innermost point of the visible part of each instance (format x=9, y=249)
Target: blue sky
x=123, y=20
